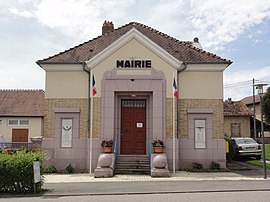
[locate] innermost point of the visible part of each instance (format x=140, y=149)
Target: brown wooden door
x=19, y=135
x=133, y=127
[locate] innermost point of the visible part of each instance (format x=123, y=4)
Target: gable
x=134, y=45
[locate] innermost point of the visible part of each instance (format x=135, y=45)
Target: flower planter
x=158, y=149
x=107, y=149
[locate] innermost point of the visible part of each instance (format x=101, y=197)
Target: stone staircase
x=132, y=164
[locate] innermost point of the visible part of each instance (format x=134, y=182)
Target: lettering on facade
x=133, y=63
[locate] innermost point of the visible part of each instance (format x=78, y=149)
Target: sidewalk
x=59, y=185
x=179, y=176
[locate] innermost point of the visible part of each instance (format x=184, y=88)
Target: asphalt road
x=262, y=196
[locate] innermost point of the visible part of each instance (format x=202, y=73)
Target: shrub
x=214, y=165
x=16, y=172
x=197, y=166
x=70, y=169
x=51, y=169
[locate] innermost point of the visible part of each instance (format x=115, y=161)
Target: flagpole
x=173, y=127
x=91, y=124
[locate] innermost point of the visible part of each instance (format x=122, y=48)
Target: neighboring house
x=249, y=103
x=236, y=119
x=132, y=70
x=21, y=115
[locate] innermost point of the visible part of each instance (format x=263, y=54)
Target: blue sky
x=35, y=29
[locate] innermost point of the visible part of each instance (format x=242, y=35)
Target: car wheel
x=258, y=157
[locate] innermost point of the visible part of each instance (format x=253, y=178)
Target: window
x=13, y=122
x=24, y=122
x=133, y=103
x=236, y=129
x=1, y=122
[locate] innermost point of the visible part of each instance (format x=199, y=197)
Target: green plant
x=51, y=169
x=107, y=143
x=16, y=172
x=157, y=143
x=197, y=166
x=70, y=169
x=214, y=166
x=227, y=137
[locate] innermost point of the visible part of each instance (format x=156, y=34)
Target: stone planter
x=158, y=150
x=107, y=149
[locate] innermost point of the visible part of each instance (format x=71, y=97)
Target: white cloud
x=25, y=14
x=220, y=22
x=239, y=84
x=216, y=23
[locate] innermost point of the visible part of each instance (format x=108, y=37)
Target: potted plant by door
x=158, y=146
x=107, y=146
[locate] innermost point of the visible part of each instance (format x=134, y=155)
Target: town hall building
x=134, y=85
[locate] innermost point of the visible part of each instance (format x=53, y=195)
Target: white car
x=245, y=147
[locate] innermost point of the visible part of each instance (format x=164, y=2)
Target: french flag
x=94, y=90
x=175, y=92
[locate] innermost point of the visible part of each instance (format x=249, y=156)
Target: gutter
x=89, y=83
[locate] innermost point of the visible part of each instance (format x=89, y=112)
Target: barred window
x=236, y=130
x=133, y=103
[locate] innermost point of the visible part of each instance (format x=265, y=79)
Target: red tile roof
x=249, y=100
x=182, y=50
x=22, y=103
x=237, y=108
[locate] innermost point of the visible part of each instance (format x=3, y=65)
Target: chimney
x=196, y=43
x=107, y=27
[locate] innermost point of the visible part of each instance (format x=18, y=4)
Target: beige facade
x=35, y=127
x=244, y=122
x=200, y=88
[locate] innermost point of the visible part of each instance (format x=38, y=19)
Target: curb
x=152, y=192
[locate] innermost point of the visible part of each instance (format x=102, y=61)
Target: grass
x=267, y=151
x=267, y=157
x=257, y=163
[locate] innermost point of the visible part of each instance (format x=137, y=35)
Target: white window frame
x=13, y=124
x=24, y=124
x=18, y=122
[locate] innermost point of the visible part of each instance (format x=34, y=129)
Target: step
x=132, y=157
x=132, y=171
x=132, y=164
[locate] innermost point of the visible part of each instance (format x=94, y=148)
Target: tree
x=266, y=105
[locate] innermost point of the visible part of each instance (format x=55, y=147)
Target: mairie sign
x=133, y=63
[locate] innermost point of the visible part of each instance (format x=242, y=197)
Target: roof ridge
x=22, y=90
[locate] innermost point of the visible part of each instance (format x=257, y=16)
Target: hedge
x=16, y=171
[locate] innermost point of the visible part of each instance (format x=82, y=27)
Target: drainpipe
x=89, y=106
x=89, y=83
x=177, y=77
x=178, y=72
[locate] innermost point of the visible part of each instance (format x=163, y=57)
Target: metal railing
x=16, y=145
x=115, y=151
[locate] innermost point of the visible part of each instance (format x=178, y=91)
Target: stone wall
x=49, y=115
x=244, y=125
x=218, y=117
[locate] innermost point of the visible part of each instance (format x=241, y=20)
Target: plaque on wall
x=66, y=140
x=200, y=134
x=139, y=125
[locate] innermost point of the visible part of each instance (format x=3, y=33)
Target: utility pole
x=254, y=112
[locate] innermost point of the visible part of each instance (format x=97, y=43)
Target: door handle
x=122, y=134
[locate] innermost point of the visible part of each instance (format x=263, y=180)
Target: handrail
x=115, y=152
x=150, y=148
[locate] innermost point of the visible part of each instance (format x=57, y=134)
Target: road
x=262, y=196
